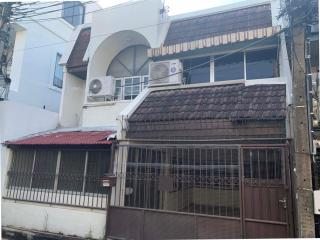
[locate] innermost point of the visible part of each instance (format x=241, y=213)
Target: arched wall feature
x=109, y=49
x=132, y=61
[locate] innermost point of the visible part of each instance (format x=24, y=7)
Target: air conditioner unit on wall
x=165, y=73
x=101, y=88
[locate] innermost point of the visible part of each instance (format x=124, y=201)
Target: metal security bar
x=67, y=177
x=192, y=179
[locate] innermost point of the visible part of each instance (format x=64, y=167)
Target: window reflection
x=262, y=64
x=199, y=74
x=229, y=67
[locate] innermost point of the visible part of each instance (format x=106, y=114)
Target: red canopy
x=66, y=138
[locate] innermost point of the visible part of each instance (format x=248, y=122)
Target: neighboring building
x=39, y=43
x=36, y=76
x=202, y=135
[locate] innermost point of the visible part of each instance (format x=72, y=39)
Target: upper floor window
x=130, y=68
x=262, y=64
x=58, y=72
x=229, y=68
x=73, y=12
x=249, y=65
x=200, y=70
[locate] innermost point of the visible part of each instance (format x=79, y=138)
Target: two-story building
x=190, y=113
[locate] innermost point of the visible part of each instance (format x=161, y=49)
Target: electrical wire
x=94, y=11
x=57, y=10
x=184, y=70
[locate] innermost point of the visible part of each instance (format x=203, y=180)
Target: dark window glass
x=229, y=67
x=262, y=64
x=200, y=74
x=98, y=162
x=71, y=171
x=21, y=168
x=44, y=169
x=73, y=12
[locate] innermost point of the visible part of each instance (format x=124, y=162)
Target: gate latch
x=284, y=202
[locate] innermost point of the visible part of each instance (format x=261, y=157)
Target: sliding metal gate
x=200, y=191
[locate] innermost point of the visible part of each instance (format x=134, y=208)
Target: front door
x=266, y=201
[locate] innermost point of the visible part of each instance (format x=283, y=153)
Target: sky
x=178, y=6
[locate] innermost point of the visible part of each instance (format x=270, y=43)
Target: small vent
x=95, y=86
x=159, y=72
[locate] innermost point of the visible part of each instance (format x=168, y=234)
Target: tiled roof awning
x=75, y=63
x=211, y=112
x=65, y=138
x=217, y=29
x=232, y=102
x=216, y=24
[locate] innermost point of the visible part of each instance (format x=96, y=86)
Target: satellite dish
x=95, y=86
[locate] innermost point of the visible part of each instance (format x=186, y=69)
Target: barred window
x=53, y=175
x=193, y=180
x=21, y=168
x=44, y=169
x=71, y=171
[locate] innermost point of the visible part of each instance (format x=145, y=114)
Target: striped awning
x=214, y=41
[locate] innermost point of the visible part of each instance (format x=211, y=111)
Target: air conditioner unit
x=165, y=73
x=101, y=88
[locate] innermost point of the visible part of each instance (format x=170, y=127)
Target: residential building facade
x=189, y=115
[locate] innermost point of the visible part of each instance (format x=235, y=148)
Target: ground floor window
x=48, y=175
x=191, y=180
x=201, y=179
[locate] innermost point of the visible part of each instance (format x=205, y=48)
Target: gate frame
x=286, y=156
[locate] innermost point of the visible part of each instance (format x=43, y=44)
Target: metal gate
x=199, y=191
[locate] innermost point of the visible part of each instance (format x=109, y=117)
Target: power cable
x=94, y=11
x=57, y=10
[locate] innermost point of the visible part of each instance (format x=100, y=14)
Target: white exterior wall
x=112, y=30
x=18, y=120
x=36, y=46
x=32, y=75
x=72, y=99
x=86, y=223
x=103, y=115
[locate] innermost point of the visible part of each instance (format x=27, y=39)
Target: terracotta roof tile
x=66, y=138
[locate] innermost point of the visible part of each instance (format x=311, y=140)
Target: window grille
x=202, y=180
x=69, y=177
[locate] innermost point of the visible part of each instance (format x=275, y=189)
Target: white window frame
x=212, y=68
x=142, y=86
x=54, y=65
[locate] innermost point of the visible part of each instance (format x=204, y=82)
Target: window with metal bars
x=201, y=180
x=47, y=175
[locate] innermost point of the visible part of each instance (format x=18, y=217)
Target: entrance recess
x=200, y=191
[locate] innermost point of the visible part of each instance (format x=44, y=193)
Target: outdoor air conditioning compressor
x=165, y=73
x=101, y=88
